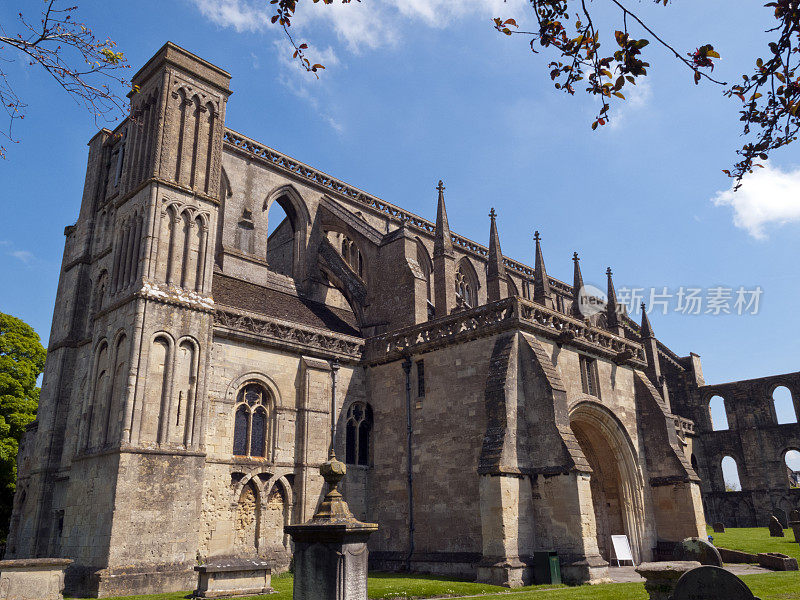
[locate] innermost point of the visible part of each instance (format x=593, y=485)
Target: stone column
x=330, y=551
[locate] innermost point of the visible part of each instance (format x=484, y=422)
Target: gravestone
x=794, y=524
x=711, y=583
x=697, y=549
x=775, y=527
x=780, y=514
x=719, y=528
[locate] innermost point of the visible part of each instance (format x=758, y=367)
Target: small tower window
x=359, y=430
x=589, y=378
x=421, y=378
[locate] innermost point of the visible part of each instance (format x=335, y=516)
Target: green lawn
x=381, y=586
x=770, y=586
x=755, y=540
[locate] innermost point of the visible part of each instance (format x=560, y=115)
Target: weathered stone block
x=234, y=577
x=777, y=561
x=662, y=577
x=32, y=579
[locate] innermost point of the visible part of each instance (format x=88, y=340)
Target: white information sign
x=622, y=549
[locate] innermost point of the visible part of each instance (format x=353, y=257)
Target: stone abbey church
x=187, y=396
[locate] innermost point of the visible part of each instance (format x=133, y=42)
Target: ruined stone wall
x=757, y=443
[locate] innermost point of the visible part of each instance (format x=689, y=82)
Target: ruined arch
x=247, y=517
x=276, y=512
x=617, y=483
x=790, y=460
x=717, y=404
x=286, y=254
x=729, y=471
x=783, y=403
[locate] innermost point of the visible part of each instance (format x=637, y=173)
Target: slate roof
x=248, y=296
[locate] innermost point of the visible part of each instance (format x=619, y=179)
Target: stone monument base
x=32, y=578
x=233, y=577
x=661, y=578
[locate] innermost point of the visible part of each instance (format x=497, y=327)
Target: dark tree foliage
x=84, y=66
x=21, y=362
x=770, y=94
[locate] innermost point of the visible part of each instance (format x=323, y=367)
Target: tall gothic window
x=251, y=421
x=359, y=430
x=466, y=286
x=352, y=256
x=589, y=378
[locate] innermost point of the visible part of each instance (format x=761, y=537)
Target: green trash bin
x=546, y=567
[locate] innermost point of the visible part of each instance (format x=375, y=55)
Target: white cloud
x=768, y=196
x=304, y=84
x=242, y=15
x=368, y=24
x=637, y=97
x=23, y=255
x=441, y=13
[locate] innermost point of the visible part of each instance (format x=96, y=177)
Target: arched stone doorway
x=616, y=481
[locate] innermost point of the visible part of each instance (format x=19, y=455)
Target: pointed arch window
x=466, y=286
x=252, y=420
x=352, y=256
x=359, y=431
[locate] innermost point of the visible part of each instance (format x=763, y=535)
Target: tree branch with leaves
x=770, y=94
x=89, y=69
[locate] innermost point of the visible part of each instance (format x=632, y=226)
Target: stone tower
x=134, y=314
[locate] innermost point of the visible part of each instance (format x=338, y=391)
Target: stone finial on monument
x=697, y=549
x=330, y=551
x=719, y=528
x=775, y=527
x=711, y=583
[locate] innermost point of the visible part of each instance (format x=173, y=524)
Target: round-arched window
x=251, y=421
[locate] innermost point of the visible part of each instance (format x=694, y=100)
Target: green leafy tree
x=21, y=362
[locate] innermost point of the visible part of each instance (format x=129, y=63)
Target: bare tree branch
x=86, y=67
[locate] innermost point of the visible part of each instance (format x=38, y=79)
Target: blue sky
x=421, y=90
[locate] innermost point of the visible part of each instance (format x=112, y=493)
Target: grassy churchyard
x=769, y=586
